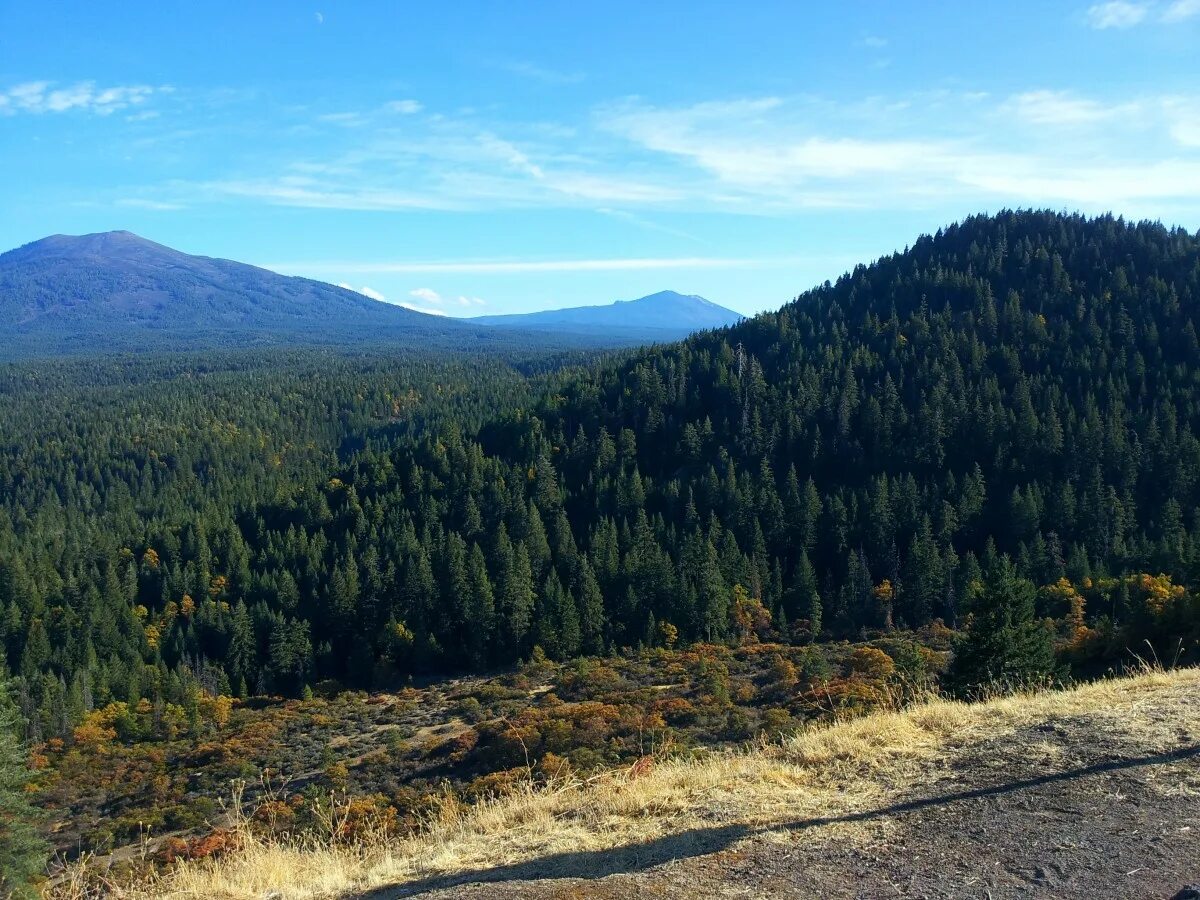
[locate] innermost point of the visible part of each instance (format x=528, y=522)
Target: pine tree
x=558, y=620
x=242, y=656
x=1005, y=644
x=591, y=610
x=713, y=597
x=481, y=610
x=518, y=601
x=807, y=601
x=23, y=854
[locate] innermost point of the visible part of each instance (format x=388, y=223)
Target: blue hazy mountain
x=662, y=316
x=116, y=291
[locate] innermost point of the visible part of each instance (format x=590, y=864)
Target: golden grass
x=828, y=770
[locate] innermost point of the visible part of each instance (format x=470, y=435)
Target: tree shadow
x=630, y=858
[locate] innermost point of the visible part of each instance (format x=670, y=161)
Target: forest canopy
x=1019, y=386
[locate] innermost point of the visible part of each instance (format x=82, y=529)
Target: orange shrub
x=871, y=662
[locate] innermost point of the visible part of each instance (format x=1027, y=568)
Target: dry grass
x=834, y=769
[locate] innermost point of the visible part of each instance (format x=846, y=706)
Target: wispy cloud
x=351, y=119
x=365, y=291
x=639, y=162
x=40, y=97
x=422, y=309
x=404, y=107
x=1181, y=11
x=784, y=154
x=309, y=193
x=543, y=74
x=499, y=267
x=1116, y=14
x=642, y=222
x=1127, y=13
x=1044, y=107
x=155, y=205
x=428, y=295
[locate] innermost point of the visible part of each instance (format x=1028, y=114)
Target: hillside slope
x=666, y=315
x=1080, y=793
x=1021, y=385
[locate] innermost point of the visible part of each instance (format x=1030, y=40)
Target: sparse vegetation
x=824, y=770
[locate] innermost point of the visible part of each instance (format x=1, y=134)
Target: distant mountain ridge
x=73, y=290
x=667, y=312
x=116, y=291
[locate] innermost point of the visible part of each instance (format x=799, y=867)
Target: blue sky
x=471, y=158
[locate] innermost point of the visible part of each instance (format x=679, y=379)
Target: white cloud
x=43, y=97
x=874, y=41
x=1181, y=10
x=1187, y=131
x=782, y=155
x=420, y=309
x=734, y=142
x=1096, y=186
x=404, y=107
x=1116, y=14
x=429, y=295
x=320, y=17
x=942, y=150
x=365, y=291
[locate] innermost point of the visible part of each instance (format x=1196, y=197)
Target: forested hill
x=1023, y=384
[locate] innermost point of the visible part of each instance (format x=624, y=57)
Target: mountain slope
x=665, y=315
x=116, y=290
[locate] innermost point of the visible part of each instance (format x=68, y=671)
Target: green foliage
x=1005, y=646
x=861, y=460
x=23, y=853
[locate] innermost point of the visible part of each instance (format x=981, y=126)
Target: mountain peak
x=663, y=315
x=674, y=297
x=101, y=243
x=116, y=288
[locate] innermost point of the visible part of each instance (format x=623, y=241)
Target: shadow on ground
x=704, y=841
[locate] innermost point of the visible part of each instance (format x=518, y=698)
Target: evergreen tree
x=23, y=853
x=519, y=601
x=1005, y=644
x=481, y=612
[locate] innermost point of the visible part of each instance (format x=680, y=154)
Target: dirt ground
x=1070, y=808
